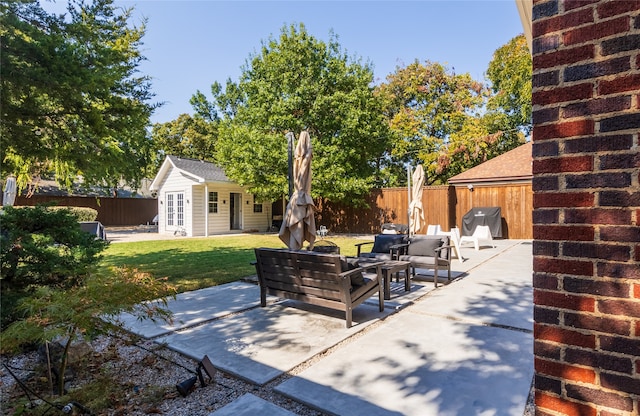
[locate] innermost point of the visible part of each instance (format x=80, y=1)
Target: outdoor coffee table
x=389, y=267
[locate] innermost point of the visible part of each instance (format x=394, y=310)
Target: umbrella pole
x=409, y=199
x=290, y=138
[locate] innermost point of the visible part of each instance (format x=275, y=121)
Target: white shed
x=195, y=198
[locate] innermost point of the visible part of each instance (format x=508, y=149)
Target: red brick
x=563, y=336
x=597, y=31
x=563, y=164
x=628, y=308
x=582, y=127
x=589, y=250
x=620, y=84
x=564, y=57
x=620, y=383
x=545, y=281
x=591, y=286
x=637, y=334
x=597, y=106
x=618, y=180
x=603, y=216
x=564, y=301
x=546, y=316
x=561, y=95
x=565, y=371
x=560, y=232
x=626, y=160
x=636, y=291
x=620, y=234
x=618, y=270
x=547, y=384
x=613, y=8
x=619, y=198
x=547, y=350
x=622, y=345
x=563, y=406
x=598, y=359
x=562, y=21
x=599, y=324
x=597, y=397
x=574, y=4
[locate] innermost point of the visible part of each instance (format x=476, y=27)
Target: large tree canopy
x=297, y=82
x=427, y=105
x=72, y=101
x=510, y=73
x=450, y=122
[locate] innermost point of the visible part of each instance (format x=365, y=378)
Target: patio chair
x=385, y=247
x=429, y=252
x=434, y=229
x=482, y=233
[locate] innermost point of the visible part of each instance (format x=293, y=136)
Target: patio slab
x=250, y=405
x=500, y=292
x=260, y=344
x=422, y=365
x=198, y=306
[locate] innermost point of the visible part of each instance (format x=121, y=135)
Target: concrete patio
x=462, y=349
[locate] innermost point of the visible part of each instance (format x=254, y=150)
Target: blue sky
x=191, y=44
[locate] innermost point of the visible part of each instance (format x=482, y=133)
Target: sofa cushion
x=424, y=246
x=383, y=242
x=357, y=279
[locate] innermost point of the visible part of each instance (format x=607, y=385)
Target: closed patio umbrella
x=9, y=196
x=416, y=211
x=299, y=223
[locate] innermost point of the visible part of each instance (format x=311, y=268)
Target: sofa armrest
x=439, y=249
x=398, y=250
x=359, y=246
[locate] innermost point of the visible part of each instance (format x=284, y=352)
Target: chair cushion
x=383, y=242
x=422, y=246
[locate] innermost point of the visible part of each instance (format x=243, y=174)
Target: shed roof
x=199, y=170
x=514, y=165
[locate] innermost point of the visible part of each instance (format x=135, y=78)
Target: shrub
x=40, y=246
x=81, y=213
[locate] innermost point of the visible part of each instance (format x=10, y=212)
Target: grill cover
x=491, y=216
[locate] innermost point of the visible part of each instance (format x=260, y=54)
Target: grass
x=196, y=263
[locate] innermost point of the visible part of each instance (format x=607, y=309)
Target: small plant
x=86, y=310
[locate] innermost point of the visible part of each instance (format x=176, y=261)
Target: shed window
x=213, y=202
x=257, y=206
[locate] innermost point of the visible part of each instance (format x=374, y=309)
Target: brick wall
x=586, y=219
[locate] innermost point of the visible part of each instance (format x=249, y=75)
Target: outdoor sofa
x=321, y=279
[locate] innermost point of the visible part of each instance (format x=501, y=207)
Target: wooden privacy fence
x=443, y=205
x=111, y=211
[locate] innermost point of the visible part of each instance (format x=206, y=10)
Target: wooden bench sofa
x=317, y=278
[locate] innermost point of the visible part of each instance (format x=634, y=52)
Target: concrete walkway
x=462, y=349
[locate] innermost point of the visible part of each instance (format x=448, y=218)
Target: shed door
x=235, y=211
x=175, y=210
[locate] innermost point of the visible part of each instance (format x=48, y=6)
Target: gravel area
x=148, y=374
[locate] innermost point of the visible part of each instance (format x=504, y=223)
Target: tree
x=72, y=101
x=510, y=72
x=507, y=119
x=427, y=106
x=186, y=136
x=297, y=82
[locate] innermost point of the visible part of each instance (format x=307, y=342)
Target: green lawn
x=195, y=263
